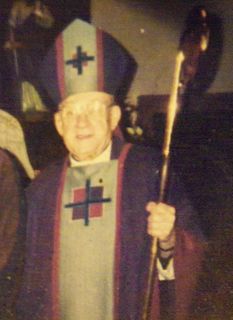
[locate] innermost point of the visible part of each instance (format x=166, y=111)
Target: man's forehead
x=88, y=98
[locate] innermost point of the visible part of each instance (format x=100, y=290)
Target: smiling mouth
x=83, y=136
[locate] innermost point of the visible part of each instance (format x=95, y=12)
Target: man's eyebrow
x=64, y=106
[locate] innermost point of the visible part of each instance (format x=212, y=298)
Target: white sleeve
x=168, y=273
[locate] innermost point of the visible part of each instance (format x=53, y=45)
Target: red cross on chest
x=95, y=209
x=88, y=202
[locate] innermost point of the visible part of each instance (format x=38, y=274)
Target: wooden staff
x=195, y=41
x=171, y=114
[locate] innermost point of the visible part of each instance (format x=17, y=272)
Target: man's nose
x=82, y=120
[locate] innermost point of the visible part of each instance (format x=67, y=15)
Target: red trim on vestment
x=120, y=168
x=56, y=253
x=100, y=60
x=60, y=65
x=187, y=262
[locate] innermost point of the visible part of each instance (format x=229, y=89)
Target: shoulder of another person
x=6, y=161
x=4, y=155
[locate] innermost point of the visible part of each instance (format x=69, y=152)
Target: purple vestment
x=138, y=181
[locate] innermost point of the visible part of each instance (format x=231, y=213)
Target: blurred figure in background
x=15, y=173
x=23, y=47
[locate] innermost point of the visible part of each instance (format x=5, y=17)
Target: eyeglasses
x=93, y=109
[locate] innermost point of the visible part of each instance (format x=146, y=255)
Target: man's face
x=86, y=122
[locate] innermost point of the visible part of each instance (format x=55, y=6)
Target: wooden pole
x=170, y=119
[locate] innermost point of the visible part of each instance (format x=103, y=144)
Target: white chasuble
x=87, y=242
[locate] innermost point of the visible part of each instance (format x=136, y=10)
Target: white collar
x=103, y=157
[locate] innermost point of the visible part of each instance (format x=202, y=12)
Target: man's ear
x=115, y=116
x=58, y=123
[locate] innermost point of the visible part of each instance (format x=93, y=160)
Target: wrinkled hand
x=161, y=220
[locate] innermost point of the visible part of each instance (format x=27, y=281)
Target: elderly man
x=91, y=220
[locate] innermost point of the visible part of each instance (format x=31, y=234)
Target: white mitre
x=12, y=140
